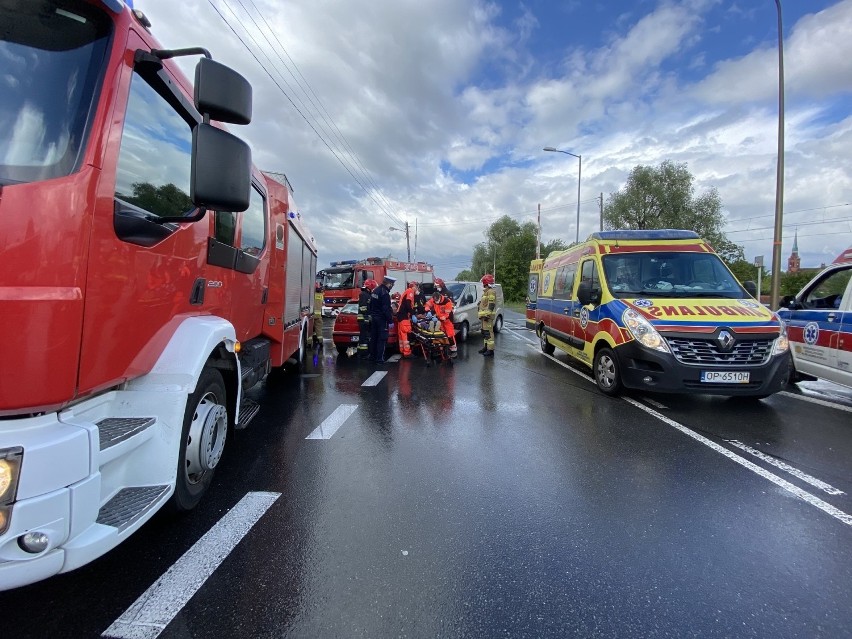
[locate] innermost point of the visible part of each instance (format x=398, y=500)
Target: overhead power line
x=334, y=152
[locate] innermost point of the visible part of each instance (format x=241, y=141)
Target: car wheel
x=205, y=431
x=546, y=346
x=607, y=373
x=464, y=331
x=498, y=324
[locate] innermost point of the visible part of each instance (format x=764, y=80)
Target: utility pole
x=538, y=235
x=407, y=240
x=601, y=203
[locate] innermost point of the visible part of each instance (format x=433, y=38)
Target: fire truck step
x=248, y=411
x=114, y=430
x=129, y=504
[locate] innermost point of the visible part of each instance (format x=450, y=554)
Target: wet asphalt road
x=502, y=498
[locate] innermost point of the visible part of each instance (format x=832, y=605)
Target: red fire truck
x=342, y=280
x=149, y=275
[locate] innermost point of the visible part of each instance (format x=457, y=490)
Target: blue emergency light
x=645, y=234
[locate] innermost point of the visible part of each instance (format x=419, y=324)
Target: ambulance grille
x=707, y=352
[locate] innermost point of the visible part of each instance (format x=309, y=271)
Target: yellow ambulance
x=659, y=311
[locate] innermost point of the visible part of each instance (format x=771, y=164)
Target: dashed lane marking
x=334, y=421
x=787, y=468
x=375, y=378
x=152, y=612
x=516, y=336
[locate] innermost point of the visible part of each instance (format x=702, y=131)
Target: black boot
x=482, y=350
x=488, y=353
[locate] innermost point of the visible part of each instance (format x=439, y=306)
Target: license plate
x=724, y=377
x=354, y=338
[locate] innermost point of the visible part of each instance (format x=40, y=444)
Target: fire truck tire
x=205, y=429
x=607, y=372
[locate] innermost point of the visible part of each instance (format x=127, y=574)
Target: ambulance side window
x=590, y=274
x=564, y=281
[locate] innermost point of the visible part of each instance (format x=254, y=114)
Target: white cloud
x=400, y=80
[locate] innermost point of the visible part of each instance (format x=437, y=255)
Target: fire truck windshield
x=337, y=279
x=53, y=54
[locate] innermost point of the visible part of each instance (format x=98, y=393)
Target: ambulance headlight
x=782, y=344
x=643, y=332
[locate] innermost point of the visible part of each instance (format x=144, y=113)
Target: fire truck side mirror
x=222, y=93
x=220, y=177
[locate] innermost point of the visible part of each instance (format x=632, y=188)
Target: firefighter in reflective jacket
x=403, y=317
x=318, y=315
x=364, y=317
x=487, y=306
x=441, y=306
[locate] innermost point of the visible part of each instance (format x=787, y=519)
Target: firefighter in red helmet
x=318, y=299
x=487, y=307
x=364, y=317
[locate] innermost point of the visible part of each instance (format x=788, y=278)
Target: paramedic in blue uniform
x=380, y=316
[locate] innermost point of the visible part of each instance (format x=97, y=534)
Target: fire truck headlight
x=10, y=469
x=782, y=344
x=4, y=518
x=644, y=333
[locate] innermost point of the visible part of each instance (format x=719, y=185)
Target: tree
x=465, y=276
x=663, y=197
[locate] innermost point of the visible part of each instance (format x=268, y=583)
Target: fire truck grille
x=707, y=352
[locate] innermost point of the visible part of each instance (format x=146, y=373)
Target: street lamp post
x=407, y=242
x=775, y=292
x=579, y=176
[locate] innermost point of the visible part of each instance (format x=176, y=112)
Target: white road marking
x=814, y=400
x=375, y=378
x=775, y=479
x=813, y=481
x=152, y=612
x=394, y=358
x=564, y=365
x=334, y=421
x=655, y=404
x=516, y=336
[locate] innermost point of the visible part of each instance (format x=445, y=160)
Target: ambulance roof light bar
x=645, y=234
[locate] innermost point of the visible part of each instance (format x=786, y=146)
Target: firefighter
x=364, y=317
x=380, y=317
x=317, y=337
x=440, y=286
x=487, y=306
x=441, y=306
x=407, y=307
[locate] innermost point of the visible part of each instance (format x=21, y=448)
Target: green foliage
x=507, y=252
x=167, y=200
x=466, y=276
x=664, y=197
x=792, y=283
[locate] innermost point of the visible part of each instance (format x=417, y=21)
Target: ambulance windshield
x=675, y=274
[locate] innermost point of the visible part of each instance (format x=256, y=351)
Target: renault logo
x=726, y=341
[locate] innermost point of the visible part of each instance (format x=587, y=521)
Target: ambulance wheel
x=464, y=331
x=205, y=430
x=607, y=374
x=546, y=347
x=498, y=324
x=341, y=348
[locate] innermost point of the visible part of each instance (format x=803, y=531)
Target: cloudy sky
x=435, y=112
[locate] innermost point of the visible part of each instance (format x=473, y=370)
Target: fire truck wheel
x=607, y=373
x=205, y=429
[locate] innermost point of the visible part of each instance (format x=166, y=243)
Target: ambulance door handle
x=566, y=310
x=831, y=317
x=576, y=312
